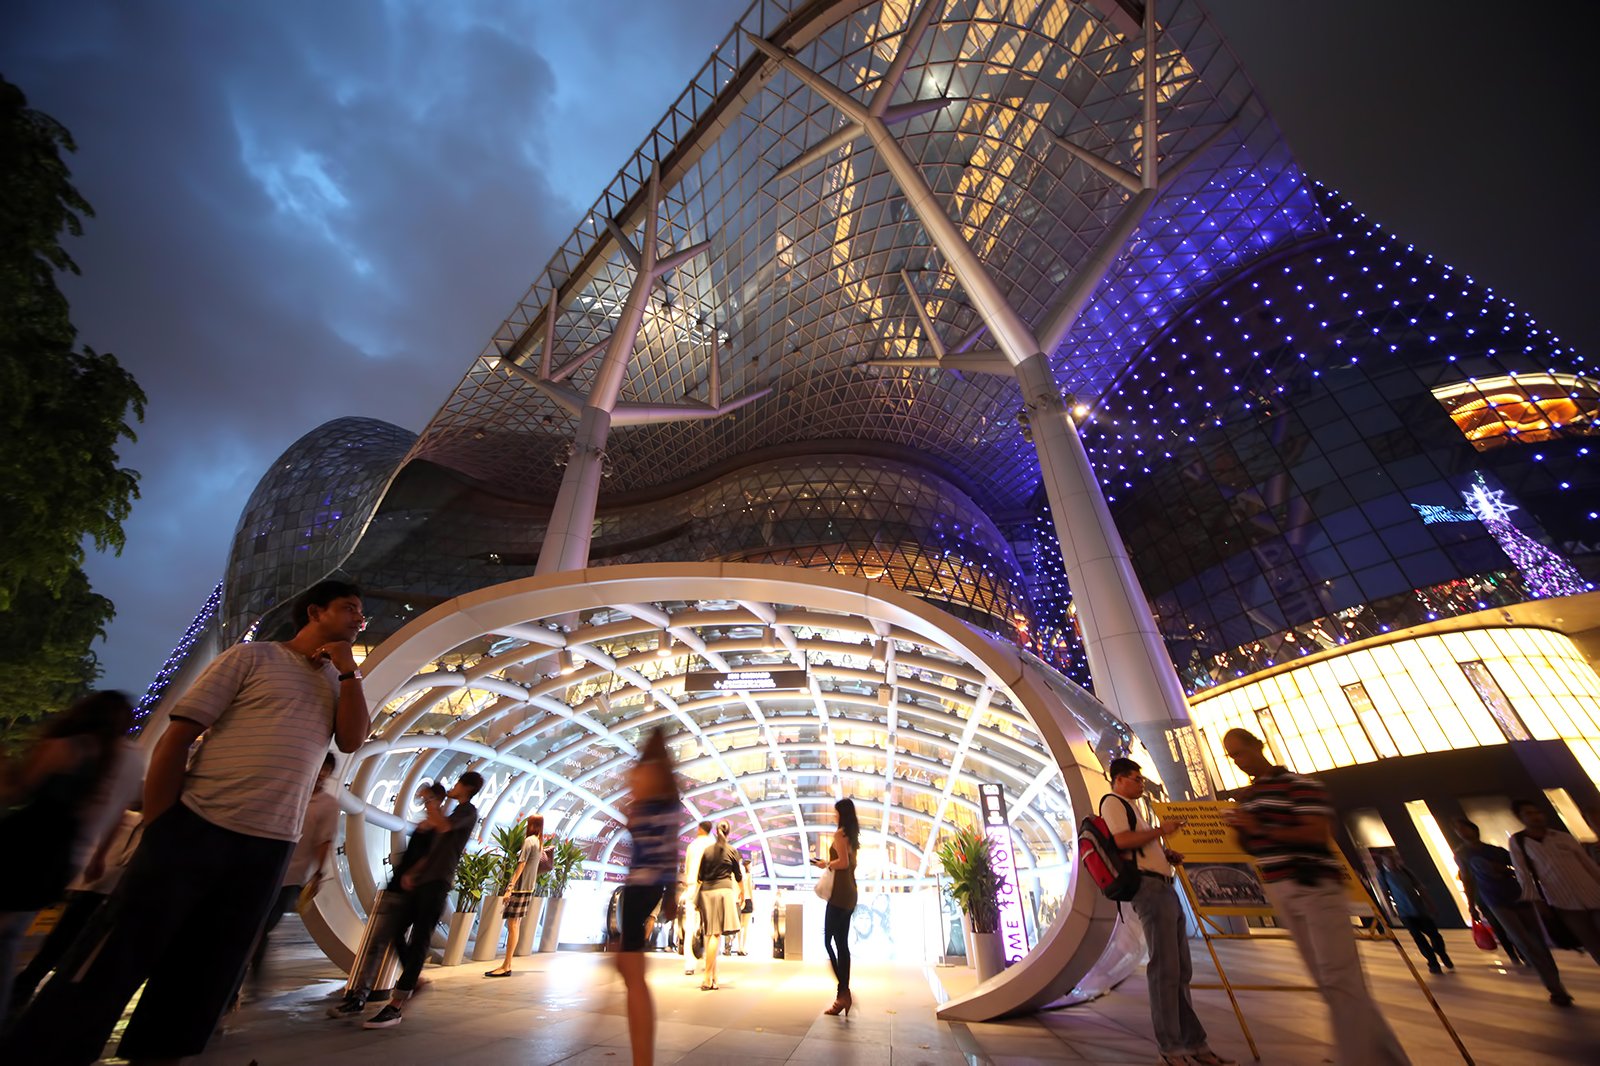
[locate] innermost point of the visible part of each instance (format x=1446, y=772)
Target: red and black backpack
x=1114, y=871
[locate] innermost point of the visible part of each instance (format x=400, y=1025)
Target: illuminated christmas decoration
x=1545, y=571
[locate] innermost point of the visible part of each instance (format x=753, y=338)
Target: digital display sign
x=710, y=682
x=997, y=830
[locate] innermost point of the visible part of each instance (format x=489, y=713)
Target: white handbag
x=824, y=885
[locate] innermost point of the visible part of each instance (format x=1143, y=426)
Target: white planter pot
x=990, y=958
x=550, y=939
x=528, y=935
x=487, y=945
x=455, y=948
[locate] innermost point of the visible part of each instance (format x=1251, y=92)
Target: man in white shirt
x=1178, y=1032
x=691, y=891
x=309, y=861
x=219, y=830
x=1553, y=867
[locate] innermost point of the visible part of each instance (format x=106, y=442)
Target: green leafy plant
x=567, y=857
x=974, y=885
x=509, y=839
x=475, y=869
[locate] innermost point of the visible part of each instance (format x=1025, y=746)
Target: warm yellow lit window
x=1522, y=407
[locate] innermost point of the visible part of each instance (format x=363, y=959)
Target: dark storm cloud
x=313, y=210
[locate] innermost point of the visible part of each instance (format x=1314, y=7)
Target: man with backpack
x=1178, y=1032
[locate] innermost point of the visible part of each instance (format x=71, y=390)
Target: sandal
x=1207, y=1057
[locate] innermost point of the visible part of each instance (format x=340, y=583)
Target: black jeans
x=836, y=939
x=1425, y=931
x=182, y=923
x=419, y=912
x=288, y=896
x=81, y=907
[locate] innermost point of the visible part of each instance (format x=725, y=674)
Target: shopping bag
x=1483, y=936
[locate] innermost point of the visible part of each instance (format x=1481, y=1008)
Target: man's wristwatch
x=353, y=675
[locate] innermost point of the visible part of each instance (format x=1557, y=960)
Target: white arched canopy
x=895, y=703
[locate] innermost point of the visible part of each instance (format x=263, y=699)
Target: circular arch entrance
x=781, y=690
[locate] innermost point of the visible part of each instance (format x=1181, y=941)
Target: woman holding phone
x=841, y=901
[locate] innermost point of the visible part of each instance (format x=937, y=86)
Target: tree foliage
x=63, y=411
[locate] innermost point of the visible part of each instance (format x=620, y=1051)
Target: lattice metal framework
x=799, y=290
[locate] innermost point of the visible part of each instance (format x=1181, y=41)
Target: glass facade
x=1435, y=692
x=306, y=515
x=1296, y=464
x=1312, y=436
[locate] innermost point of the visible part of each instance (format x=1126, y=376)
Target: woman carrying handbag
x=838, y=886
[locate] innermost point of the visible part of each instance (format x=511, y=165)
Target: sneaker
x=387, y=1018
x=1433, y=967
x=349, y=1007
x=1447, y=963
x=1561, y=999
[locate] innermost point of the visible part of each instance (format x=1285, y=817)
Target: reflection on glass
x=1493, y=698
x=1438, y=849
x=1522, y=407
x=1371, y=721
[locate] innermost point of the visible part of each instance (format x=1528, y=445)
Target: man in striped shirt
x=219, y=830
x=1554, y=869
x=1284, y=820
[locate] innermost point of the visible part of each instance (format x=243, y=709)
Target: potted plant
x=975, y=888
x=566, y=857
x=508, y=845
x=471, y=874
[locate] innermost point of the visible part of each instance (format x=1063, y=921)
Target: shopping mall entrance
x=782, y=690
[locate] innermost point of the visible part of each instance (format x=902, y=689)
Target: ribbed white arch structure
x=906, y=708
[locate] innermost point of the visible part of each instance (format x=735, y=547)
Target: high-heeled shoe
x=841, y=1005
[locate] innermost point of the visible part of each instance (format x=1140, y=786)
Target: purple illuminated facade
x=1281, y=400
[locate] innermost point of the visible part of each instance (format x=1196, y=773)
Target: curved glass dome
x=306, y=514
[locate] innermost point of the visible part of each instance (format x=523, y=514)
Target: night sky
x=307, y=210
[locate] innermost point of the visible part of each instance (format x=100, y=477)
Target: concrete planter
x=528, y=935
x=487, y=944
x=455, y=947
x=550, y=939
x=989, y=955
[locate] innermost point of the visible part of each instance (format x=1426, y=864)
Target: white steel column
x=1127, y=657
x=571, y=528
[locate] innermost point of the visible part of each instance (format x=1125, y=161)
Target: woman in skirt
x=519, y=900
x=720, y=878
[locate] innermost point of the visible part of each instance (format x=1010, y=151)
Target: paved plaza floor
x=567, y=1007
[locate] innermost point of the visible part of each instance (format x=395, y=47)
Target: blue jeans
x=1177, y=1027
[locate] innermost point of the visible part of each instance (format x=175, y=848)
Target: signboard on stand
x=1220, y=874
x=997, y=830
x=1221, y=879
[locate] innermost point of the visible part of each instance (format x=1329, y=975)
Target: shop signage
x=997, y=829
x=706, y=682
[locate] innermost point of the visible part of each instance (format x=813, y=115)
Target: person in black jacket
x=721, y=893
x=387, y=913
x=426, y=886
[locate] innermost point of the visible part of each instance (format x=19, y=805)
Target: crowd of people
x=175, y=886
x=1284, y=820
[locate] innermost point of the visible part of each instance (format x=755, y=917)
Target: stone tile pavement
x=568, y=1008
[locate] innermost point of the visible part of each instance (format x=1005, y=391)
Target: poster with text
x=1222, y=876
